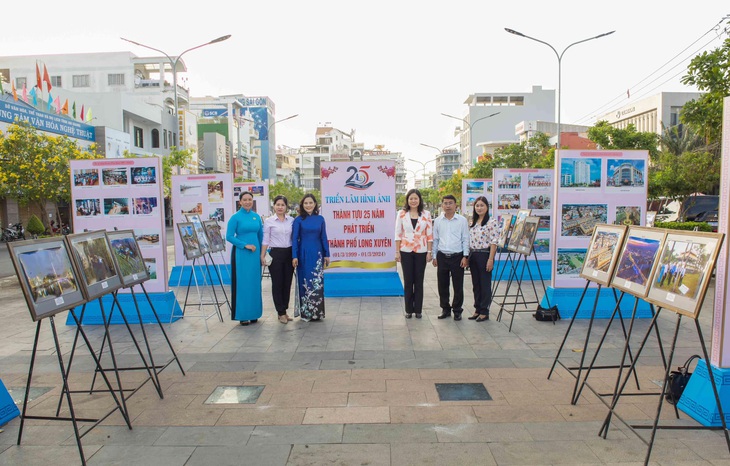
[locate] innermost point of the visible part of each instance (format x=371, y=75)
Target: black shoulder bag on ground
x=550, y=315
x=678, y=380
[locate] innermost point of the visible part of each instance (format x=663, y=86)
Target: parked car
x=709, y=217
x=695, y=206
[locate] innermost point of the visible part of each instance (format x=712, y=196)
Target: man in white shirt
x=451, y=253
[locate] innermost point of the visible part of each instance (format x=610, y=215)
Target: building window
x=155, y=139
x=20, y=82
x=164, y=138
x=138, y=137
x=169, y=139
x=56, y=81
x=116, y=79
x=81, y=80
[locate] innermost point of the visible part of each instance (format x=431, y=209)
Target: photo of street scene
x=147, y=236
x=475, y=187
x=628, y=215
x=510, y=181
x=539, y=181
x=86, y=177
x=48, y=273
x=144, y=175
x=570, y=261
x=637, y=259
x=95, y=259
x=509, y=201
x=215, y=191
x=114, y=176
x=191, y=189
x=542, y=246
x=682, y=267
x=116, y=206
x=622, y=173
x=601, y=250
x=128, y=255
x=581, y=219
x=580, y=173
x=88, y=207
x=540, y=201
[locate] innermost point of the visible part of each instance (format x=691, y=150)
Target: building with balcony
x=380, y=153
x=286, y=165
x=331, y=144
x=448, y=162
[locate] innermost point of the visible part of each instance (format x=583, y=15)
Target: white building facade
x=650, y=113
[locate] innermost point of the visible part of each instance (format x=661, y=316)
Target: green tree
x=710, y=72
x=451, y=186
x=287, y=189
x=36, y=166
x=608, y=137
x=536, y=152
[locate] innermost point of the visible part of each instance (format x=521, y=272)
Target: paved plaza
x=359, y=388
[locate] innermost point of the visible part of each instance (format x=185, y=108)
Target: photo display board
x=471, y=189
x=209, y=196
x=358, y=206
x=260, y=191
x=593, y=187
x=125, y=194
x=527, y=188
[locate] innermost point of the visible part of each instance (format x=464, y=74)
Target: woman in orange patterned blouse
x=413, y=241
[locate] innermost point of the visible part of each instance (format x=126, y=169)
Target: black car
x=709, y=217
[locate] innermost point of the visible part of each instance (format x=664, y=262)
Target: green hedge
x=35, y=225
x=701, y=226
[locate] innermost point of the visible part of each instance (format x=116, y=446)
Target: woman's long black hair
x=303, y=213
x=406, y=207
x=475, y=215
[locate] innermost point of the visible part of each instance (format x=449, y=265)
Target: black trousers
x=450, y=267
x=282, y=272
x=414, y=269
x=481, y=281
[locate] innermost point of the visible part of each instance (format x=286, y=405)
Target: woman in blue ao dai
x=245, y=232
x=310, y=253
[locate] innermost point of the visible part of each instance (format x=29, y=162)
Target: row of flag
x=84, y=115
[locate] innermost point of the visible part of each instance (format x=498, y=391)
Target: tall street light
x=440, y=152
x=423, y=165
x=560, y=58
x=470, y=125
x=174, y=69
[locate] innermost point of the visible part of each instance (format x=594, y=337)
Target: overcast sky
x=389, y=68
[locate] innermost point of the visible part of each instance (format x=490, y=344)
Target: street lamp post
x=423, y=165
x=470, y=125
x=560, y=58
x=268, y=136
x=174, y=70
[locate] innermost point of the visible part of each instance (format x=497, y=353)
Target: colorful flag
x=34, y=95
x=50, y=100
x=15, y=92
x=47, y=78
x=73, y=108
x=82, y=112
x=64, y=109
x=25, y=93
x=88, y=116
x=57, y=103
x=38, y=81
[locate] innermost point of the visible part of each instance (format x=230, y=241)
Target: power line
x=715, y=28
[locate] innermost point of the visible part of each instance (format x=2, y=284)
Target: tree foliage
x=609, y=137
x=710, y=73
x=36, y=166
x=284, y=188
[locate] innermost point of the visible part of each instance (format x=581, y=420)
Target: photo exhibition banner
x=527, y=188
x=125, y=194
x=260, y=191
x=210, y=196
x=593, y=187
x=471, y=189
x=358, y=206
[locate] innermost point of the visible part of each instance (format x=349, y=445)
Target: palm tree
x=679, y=139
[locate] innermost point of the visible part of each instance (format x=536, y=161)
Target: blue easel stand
x=698, y=401
x=567, y=300
x=165, y=305
x=8, y=410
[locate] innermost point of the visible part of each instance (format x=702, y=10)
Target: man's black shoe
x=457, y=316
x=444, y=315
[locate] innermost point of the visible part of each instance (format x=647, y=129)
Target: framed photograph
x=603, y=253
x=191, y=189
x=213, y=230
x=144, y=175
x=541, y=181
x=509, y=201
x=88, y=207
x=510, y=181
x=203, y=242
x=475, y=187
x=114, y=176
x=517, y=228
x=116, y=206
x=625, y=173
x=86, y=177
x=189, y=240
x=49, y=281
x=539, y=201
x=504, y=230
x=527, y=239
x=127, y=257
x=144, y=205
x=570, y=262
x=637, y=260
x=541, y=246
x=215, y=191
x=628, y=215
x=684, y=270
x=93, y=258
x=583, y=173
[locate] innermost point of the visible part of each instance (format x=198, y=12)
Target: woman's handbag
x=678, y=380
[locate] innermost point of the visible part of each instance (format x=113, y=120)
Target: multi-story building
x=261, y=112
x=652, y=113
x=479, y=129
x=380, y=153
x=286, y=165
x=331, y=144
x=447, y=163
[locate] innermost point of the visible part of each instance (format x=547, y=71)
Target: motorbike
x=13, y=232
x=64, y=230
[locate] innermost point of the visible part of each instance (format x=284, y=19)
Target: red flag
x=64, y=109
x=38, y=81
x=15, y=92
x=82, y=112
x=47, y=78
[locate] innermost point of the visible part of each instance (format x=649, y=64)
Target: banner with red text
x=358, y=205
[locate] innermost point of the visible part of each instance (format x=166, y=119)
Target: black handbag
x=678, y=380
x=547, y=315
